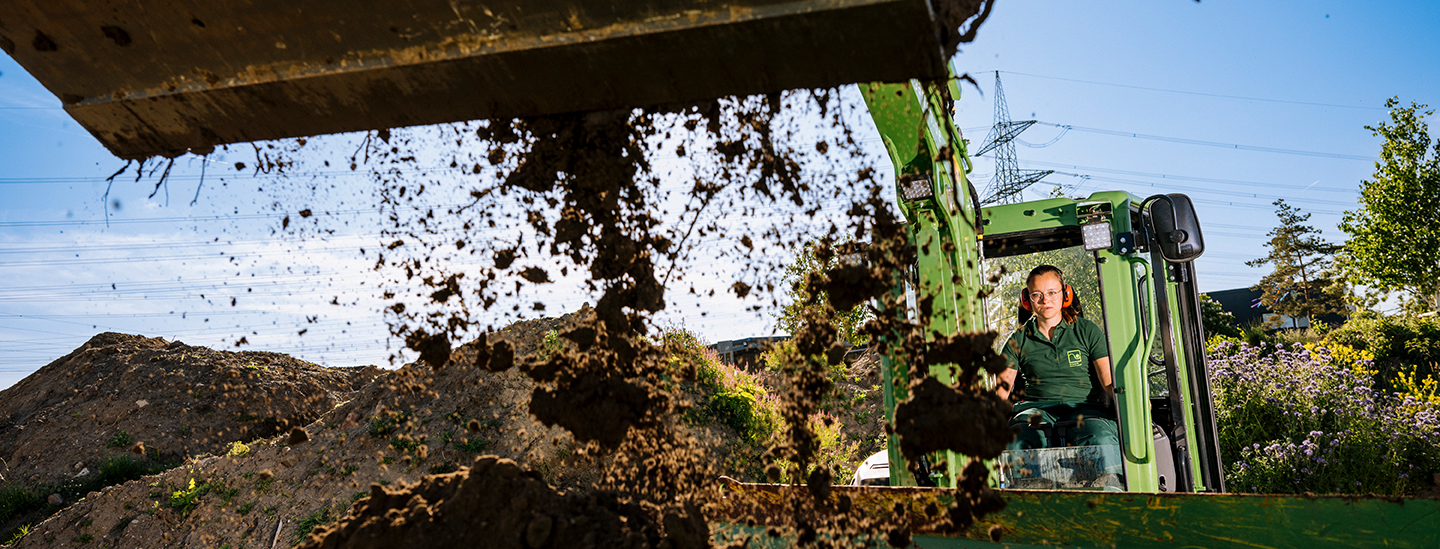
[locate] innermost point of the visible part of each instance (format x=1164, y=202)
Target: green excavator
x=182, y=76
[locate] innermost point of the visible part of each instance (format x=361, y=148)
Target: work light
x=1096, y=236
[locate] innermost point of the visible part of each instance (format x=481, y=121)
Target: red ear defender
x=1025, y=298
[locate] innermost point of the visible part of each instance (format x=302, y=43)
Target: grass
x=309, y=522
x=227, y=495
x=387, y=423
x=22, y=531
x=120, y=440
x=17, y=501
x=443, y=468
x=472, y=446
x=404, y=444
x=245, y=509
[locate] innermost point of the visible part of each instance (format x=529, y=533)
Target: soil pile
x=498, y=504
x=127, y=395
x=381, y=436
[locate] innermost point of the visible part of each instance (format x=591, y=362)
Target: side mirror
x=1174, y=227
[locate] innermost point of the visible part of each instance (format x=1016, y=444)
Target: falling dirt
x=496, y=503
x=582, y=192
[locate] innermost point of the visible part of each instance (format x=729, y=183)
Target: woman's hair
x=1067, y=314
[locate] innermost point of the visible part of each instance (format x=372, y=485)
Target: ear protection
x=1025, y=298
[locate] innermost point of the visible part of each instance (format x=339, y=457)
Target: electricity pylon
x=1009, y=179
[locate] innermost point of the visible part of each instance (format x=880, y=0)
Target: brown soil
x=384, y=433
x=117, y=390
x=597, y=424
x=496, y=503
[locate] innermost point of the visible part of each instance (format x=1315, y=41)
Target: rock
x=55, y=499
x=298, y=436
x=83, y=472
x=352, y=420
x=142, y=403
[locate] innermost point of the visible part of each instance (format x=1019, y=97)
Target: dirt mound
x=462, y=510
x=403, y=425
x=118, y=391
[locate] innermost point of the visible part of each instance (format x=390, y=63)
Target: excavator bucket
x=172, y=76
x=1085, y=519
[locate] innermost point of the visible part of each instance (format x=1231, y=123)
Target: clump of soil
x=496, y=503
x=117, y=391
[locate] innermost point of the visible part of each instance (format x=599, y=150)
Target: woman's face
x=1047, y=295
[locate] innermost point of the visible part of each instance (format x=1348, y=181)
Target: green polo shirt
x=1058, y=369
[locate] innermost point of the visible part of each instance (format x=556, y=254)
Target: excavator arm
x=928, y=153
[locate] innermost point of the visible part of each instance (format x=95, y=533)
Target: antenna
x=1009, y=179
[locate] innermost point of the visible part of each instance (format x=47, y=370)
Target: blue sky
x=1295, y=76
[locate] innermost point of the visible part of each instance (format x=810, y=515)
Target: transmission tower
x=1009, y=179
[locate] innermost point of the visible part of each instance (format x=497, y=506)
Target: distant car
x=875, y=471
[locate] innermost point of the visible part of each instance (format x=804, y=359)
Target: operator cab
x=1062, y=465
x=1131, y=268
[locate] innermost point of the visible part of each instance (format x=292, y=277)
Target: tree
x=1394, y=242
x=848, y=323
x=1217, y=320
x=1302, y=284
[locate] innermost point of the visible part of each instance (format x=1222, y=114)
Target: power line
x=1185, y=141
x=1211, y=191
x=1240, y=182
x=1204, y=94
x=1009, y=180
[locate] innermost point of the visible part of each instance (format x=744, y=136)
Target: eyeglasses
x=1042, y=296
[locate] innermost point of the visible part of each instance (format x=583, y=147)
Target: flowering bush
x=1296, y=419
x=1398, y=343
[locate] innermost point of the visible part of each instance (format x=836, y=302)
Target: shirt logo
x=1077, y=358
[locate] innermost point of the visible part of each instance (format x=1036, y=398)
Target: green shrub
x=1216, y=319
x=120, y=440
x=727, y=394
x=187, y=499
x=238, y=449
x=833, y=452
x=387, y=423
x=551, y=344
x=1401, y=344
x=1309, y=419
